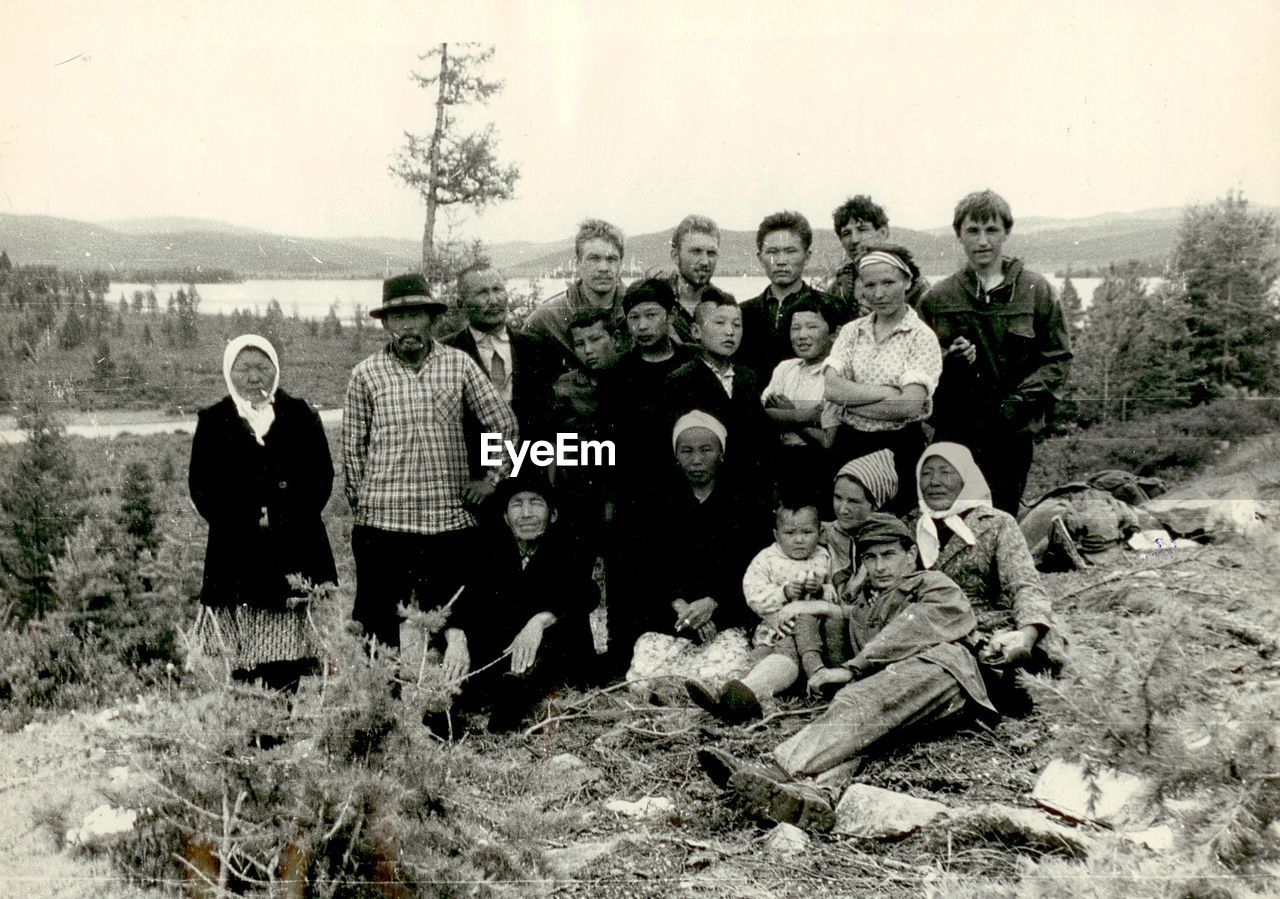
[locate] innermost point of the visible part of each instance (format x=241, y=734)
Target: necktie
x=498, y=371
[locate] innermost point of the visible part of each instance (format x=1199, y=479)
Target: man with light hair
x=1006, y=352
x=598, y=250
x=695, y=250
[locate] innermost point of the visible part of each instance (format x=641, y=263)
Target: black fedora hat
x=408, y=291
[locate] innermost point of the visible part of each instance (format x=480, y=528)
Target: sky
x=285, y=115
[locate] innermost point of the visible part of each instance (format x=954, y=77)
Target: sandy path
x=62, y=764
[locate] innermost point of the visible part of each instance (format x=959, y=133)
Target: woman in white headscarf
x=680, y=611
x=983, y=550
x=260, y=475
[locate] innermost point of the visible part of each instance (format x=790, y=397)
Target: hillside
x=560, y=809
x=175, y=242
x=31, y=239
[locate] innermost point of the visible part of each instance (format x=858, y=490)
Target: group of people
x=824, y=479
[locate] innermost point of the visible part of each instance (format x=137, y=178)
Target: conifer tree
x=450, y=166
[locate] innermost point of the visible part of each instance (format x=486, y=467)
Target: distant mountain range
x=174, y=243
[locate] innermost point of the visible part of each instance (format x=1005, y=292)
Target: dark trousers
x=906, y=442
x=1004, y=457
x=394, y=567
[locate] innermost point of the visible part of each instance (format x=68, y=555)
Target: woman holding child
x=796, y=603
x=883, y=370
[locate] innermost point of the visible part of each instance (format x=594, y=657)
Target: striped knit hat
x=876, y=473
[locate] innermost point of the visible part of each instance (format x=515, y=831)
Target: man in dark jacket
x=530, y=600
x=1006, y=350
x=904, y=665
x=522, y=368
x=783, y=241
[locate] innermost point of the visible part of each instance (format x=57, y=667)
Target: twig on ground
x=787, y=713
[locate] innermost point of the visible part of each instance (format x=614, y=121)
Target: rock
x=645, y=807
x=1159, y=838
x=877, y=813
x=564, y=774
x=786, y=839
x=1106, y=796
x=571, y=859
x=103, y=821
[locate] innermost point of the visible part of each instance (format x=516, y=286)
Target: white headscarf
x=973, y=494
x=261, y=414
x=699, y=419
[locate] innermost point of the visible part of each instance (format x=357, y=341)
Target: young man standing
x=695, y=250
x=861, y=222
x=598, y=248
x=404, y=456
x=1006, y=350
x=783, y=241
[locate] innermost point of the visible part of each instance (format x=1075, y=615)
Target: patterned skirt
x=246, y=636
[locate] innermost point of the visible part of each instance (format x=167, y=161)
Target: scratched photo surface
x=592, y=693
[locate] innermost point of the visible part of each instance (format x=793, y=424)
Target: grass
x=501, y=807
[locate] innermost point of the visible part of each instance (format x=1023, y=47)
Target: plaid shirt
x=403, y=450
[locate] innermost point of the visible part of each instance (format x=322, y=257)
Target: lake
x=312, y=299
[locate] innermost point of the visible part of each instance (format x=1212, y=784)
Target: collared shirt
x=801, y=382
x=909, y=354
x=495, y=341
x=404, y=453
x=724, y=376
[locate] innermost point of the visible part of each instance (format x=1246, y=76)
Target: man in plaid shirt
x=404, y=456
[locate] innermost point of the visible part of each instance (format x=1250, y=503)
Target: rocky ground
x=605, y=797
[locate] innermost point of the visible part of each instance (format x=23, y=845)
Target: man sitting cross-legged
x=904, y=666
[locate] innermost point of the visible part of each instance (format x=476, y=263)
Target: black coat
x=750, y=434
x=674, y=546
x=232, y=479
x=501, y=596
x=534, y=368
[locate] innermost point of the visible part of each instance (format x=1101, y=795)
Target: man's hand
x=788, y=614
x=474, y=493
x=524, y=648
x=457, y=657
x=697, y=614
x=1010, y=647
x=824, y=676
x=964, y=348
x=854, y=584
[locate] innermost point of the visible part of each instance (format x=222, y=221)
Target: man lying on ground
x=906, y=666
